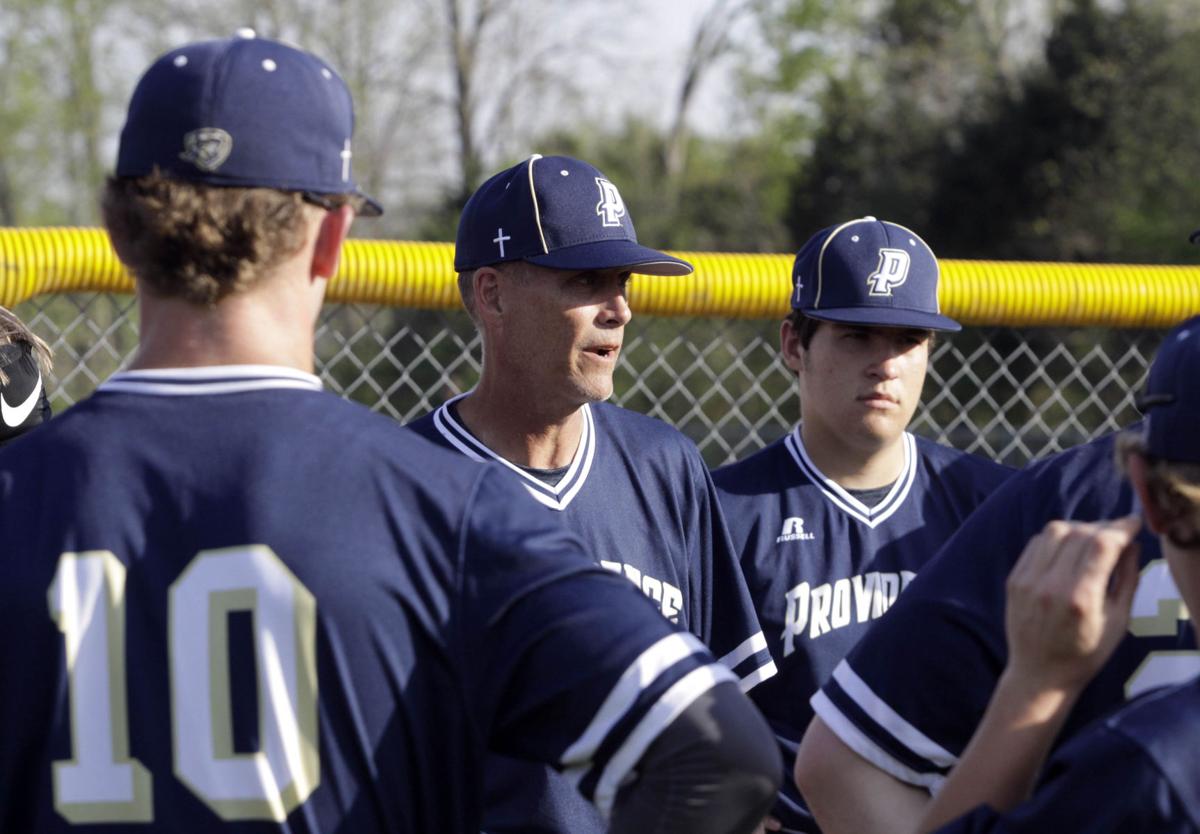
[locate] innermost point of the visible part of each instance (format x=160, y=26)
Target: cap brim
x=370, y=206
x=613, y=254
x=886, y=317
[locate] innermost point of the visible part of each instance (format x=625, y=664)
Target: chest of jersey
x=820, y=576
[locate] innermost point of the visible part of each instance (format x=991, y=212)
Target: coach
x=544, y=252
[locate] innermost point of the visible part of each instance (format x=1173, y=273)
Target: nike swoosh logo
x=14, y=416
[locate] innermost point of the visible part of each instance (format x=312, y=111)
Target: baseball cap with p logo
x=556, y=212
x=869, y=272
x=246, y=112
x=1171, y=399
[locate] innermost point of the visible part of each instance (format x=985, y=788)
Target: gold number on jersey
x=101, y=783
x=1157, y=612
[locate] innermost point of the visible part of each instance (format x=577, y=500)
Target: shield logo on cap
x=206, y=148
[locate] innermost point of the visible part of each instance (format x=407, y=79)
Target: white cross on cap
x=346, y=155
x=500, y=238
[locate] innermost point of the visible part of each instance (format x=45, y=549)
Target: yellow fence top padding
x=421, y=275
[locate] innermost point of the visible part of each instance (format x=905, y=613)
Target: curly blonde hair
x=12, y=329
x=1174, y=487
x=200, y=243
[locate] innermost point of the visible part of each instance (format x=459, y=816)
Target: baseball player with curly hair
x=24, y=360
x=545, y=251
x=835, y=519
x=235, y=602
x=898, y=713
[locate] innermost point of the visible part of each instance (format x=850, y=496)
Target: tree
x=1093, y=161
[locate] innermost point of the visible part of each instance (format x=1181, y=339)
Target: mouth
x=605, y=352
x=879, y=399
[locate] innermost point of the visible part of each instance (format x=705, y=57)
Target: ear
x=1155, y=518
x=331, y=234
x=489, y=294
x=790, y=347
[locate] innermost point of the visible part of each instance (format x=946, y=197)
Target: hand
x=1069, y=597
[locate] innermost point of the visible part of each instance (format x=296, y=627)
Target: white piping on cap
x=821, y=256
x=537, y=213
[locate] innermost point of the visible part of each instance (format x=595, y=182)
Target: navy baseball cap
x=246, y=112
x=556, y=212
x=871, y=272
x=1171, y=399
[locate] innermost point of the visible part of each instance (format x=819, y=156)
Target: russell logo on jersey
x=793, y=531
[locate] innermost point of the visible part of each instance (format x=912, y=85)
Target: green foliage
x=1086, y=154
x=730, y=198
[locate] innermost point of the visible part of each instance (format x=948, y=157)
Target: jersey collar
x=556, y=497
x=212, y=379
x=843, y=500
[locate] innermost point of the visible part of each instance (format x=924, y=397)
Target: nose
x=616, y=312
x=886, y=364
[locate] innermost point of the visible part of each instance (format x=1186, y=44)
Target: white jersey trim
x=749, y=647
x=843, y=500
x=674, y=701
x=759, y=675
x=557, y=497
x=856, y=740
x=213, y=379
x=645, y=668
x=895, y=724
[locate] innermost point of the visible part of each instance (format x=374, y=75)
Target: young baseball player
x=835, y=519
x=24, y=358
x=237, y=603
x=897, y=714
x=544, y=252
x=1068, y=607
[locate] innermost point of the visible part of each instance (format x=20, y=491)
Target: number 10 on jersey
x=102, y=782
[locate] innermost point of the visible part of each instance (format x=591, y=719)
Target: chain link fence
x=1009, y=394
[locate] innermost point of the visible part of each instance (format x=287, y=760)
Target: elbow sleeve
x=715, y=768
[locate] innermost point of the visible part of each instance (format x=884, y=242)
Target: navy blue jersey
x=822, y=566
x=910, y=694
x=236, y=603
x=639, y=496
x=1136, y=772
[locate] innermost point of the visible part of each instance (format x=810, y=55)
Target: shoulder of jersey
x=416, y=453
x=1158, y=706
x=422, y=426
x=954, y=462
x=759, y=472
x=1161, y=722
x=1087, y=468
x=369, y=440
x=635, y=430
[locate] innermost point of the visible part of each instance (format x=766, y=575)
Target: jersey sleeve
x=1101, y=782
x=728, y=622
x=563, y=662
x=909, y=695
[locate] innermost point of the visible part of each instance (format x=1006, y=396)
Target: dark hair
x=806, y=328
